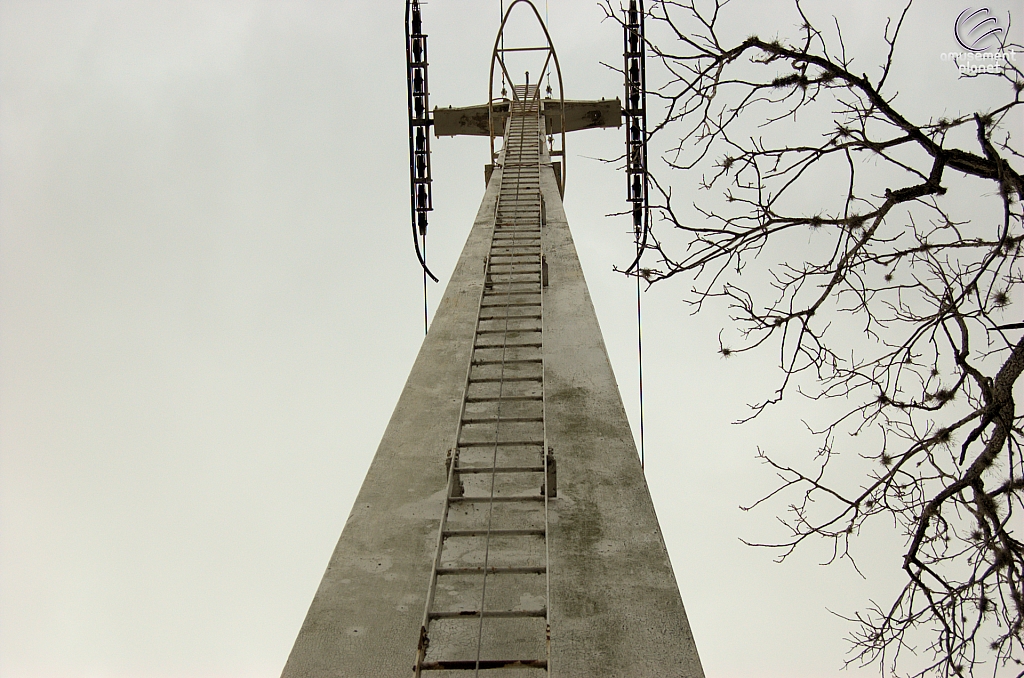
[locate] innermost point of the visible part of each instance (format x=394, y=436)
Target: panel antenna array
x=635, y=114
x=420, y=197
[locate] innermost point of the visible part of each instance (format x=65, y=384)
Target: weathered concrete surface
x=365, y=617
x=615, y=604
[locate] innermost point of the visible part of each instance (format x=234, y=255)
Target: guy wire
x=640, y=357
x=426, y=324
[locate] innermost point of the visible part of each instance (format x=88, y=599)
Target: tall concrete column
x=505, y=526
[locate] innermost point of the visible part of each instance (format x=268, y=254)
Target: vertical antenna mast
x=420, y=195
x=637, y=182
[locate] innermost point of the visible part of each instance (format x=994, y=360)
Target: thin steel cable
x=640, y=363
x=426, y=323
x=640, y=334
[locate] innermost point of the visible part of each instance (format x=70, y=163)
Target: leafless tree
x=875, y=251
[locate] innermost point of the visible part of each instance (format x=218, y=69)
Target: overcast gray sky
x=209, y=305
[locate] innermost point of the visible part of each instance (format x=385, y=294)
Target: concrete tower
x=504, y=527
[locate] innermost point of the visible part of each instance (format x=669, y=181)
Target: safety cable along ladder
x=489, y=582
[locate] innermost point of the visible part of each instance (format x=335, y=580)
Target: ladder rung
x=483, y=664
x=487, y=420
x=526, y=345
x=501, y=287
x=494, y=569
x=489, y=614
x=499, y=469
x=514, y=268
x=519, y=264
x=499, y=533
x=497, y=500
x=497, y=276
x=498, y=380
x=508, y=362
x=516, y=260
x=510, y=329
x=526, y=280
x=511, y=294
x=516, y=316
x=503, y=420
x=527, y=316
x=502, y=443
x=495, y=399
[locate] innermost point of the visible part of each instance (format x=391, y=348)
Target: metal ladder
x=487, y=604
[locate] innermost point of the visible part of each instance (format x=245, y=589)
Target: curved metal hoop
x=498, y=58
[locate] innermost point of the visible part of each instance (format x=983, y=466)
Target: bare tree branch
x=894, y=308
